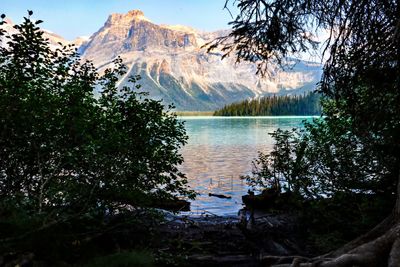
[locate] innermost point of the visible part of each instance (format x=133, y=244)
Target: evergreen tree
x=307, y=104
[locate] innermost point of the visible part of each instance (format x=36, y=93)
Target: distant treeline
x=306, y=104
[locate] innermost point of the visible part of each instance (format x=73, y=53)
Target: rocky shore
x=248, y=239
x=232, y=241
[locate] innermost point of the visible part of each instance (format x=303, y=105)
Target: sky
x=73, y=18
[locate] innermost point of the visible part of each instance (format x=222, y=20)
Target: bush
x=73, y=142
x=341, y=188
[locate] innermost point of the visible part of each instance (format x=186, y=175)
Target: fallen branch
x=219, y=196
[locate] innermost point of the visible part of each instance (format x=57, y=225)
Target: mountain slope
x=53, y=38
x=175, y=68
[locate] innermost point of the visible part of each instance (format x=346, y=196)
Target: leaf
x=38, y=21
x=30, y=12
x=2, y=16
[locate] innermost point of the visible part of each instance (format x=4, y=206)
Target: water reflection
x=220, y=149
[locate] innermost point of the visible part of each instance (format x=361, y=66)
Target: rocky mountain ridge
x=176, y=68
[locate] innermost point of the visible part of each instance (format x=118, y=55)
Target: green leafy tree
x=66, y=153
x=284, y=168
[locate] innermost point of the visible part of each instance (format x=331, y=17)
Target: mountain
x=174, y=66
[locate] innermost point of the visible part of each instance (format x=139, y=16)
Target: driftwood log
x=219, y=196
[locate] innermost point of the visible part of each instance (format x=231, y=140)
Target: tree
x=361, y=77
x=284, y=169
x=307, y=104
x=67, y=153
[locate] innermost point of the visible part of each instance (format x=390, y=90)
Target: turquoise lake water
x=219, y=150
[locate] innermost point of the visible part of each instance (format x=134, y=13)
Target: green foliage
x=322, y=159
x=352, y=154
x=67, y=153
x=285, y=168
x=342, y=161
x=355, y=148
x=307, y=104
x=341, y=187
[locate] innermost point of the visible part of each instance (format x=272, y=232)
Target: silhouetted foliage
x=307, y=104
x=355, y=148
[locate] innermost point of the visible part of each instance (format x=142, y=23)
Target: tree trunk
x=396, y=211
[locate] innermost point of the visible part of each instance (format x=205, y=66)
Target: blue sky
x=73, y=18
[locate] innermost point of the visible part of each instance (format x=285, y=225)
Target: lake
x=219, y=150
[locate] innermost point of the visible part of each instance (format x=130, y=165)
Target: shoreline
x=227, y=241
x=248, y=117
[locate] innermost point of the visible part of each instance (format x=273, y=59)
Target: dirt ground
x=231, y=241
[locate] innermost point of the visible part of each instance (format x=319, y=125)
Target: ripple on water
x=219, y=150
